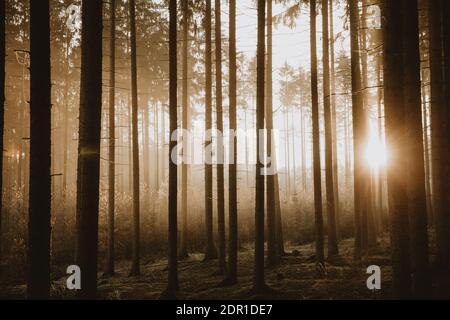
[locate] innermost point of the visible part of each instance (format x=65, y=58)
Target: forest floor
x=295, y=278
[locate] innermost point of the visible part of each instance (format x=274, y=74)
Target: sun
x=376, y=154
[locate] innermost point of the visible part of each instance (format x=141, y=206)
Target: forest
x=224, y=150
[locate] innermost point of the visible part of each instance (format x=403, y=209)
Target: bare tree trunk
x=445, y=218
x=38, y=285
x=112, y=139
x=258, y=279
x=415, y=159
x=88, y=174
x=395, y=129
x=220, y=156
x=438, y=133
x=358, y=117
x=426, y=146
x=172, y=285
x=320, y=255
x=211, y=251
x=156, y=137
x=272, y=256
x=146, y=144
x=2, y=111
x=135, y=267
x=331, y=223
x=232, y=173
x=366, y=227
x=184, y=167
x=333, y=122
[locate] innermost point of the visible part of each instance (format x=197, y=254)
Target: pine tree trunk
x=2, y=110
x=38, y=285
x=232, y=173
x=358, y=115
x=156, y=138
x=333, y=122
x=172, y=286
x=415, y=153
x=395, y=138
x=65, y=141
x=112, y=138
x=184, y=167
x=258, y=279
x=135, y=267
x=438, y=135
x=220, y=156
x=366, y=227
x=146, y=144
x=88, y=173
x=445, y=215
x=320, y=255
x=426, y=145
x=272, y=256
x=211, y=251
x=331, y=223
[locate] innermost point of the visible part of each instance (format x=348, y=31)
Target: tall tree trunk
x=211, y=251
x=258, y=279
x=358, y=118
x=438, y=135
x=415, y=153
x=88, y=173
x=130, y=147
x=445, y=219
x=333, y=122
x=331, y=213
x=112, y=138
x=135, y=268
x=38, y=285
x=272, y=256
x=232, y=168
x=395, y=137
x=146, y=144
x=320, y=255
x=381, y=171
x=426, y=145
x=172, y=285
x=65, y=141
x=156, y=137
x=366, y=225
x=2, y=110
x=184, y=167
x=220, y=156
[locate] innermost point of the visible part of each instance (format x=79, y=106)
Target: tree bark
x=2, y=111
x=395, y=138
x=272, y=256
x=135, y=267
x=358, y=115
x=331, y=213
x=333, y=122
x=415, y=153
x=39, y=229
x=88, y=174
x=220, y=156
x=320, y=256
x=172, y=285
x=258, y=279
x=112, y=139
x=184, y=167
x=211, y=251
x=232, y=172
